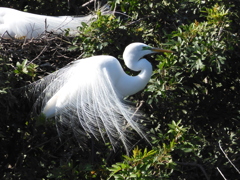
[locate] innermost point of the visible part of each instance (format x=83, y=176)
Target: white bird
x=18, y=24
x=89, y=93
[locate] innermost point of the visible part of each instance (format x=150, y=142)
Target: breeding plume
x=18, y=24
x=88, y=94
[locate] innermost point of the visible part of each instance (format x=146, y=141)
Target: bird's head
x=138, y=50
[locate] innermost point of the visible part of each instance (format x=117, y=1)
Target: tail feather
x=92, y=106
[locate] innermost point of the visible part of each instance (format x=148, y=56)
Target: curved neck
x=144, y=76
x=130, y=85
x=145, y=68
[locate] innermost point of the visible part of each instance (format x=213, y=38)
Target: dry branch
x=50, y=52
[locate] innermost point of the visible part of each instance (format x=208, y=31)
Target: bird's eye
x=146, y=48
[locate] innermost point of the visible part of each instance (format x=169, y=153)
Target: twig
x=87, y=3
x=221, y=173
x=228, y=158
x=6, y=32
x=80, y=56
x=68, y=42
x=61, y=55
x=140, y=105
x=39, y=54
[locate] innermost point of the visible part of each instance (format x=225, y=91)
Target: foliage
x=25, y=68
x=191, y=102
x=153, y=164
x=102, y=33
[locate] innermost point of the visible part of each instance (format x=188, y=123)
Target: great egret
x=89, y=93
x=18, y=24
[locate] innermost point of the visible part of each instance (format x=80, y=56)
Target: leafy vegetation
x=191, y=102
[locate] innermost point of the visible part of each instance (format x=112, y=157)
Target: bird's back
x=90, y=73
x=24, y=24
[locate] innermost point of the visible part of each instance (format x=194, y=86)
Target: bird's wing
x=87, y=100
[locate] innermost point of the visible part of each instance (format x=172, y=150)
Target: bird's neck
x=145, y=69
x=137, y=83
x=136, y=63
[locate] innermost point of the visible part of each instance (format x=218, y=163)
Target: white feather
x=20, y=24
x=89, y=92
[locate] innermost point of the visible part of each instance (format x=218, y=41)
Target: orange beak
x=161, y=50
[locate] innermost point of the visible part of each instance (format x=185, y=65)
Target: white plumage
x=89, y=93
x=18, y=24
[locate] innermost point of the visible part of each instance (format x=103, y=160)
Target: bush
x=191, y=102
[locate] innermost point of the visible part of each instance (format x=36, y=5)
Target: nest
x=50, y=52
